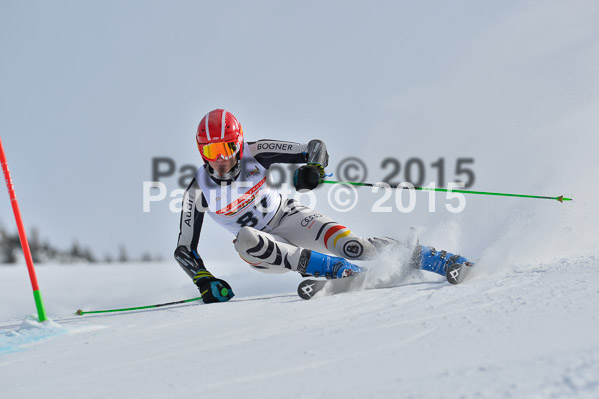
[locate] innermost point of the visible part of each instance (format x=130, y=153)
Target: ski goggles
x=213, y=151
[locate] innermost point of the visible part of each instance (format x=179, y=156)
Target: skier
x=273, y=234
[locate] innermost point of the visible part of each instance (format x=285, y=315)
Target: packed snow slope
x=525, y=330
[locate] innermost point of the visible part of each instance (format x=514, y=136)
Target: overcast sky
x=91, y=92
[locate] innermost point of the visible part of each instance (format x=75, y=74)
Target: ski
x=457, y=272
x=308, y=288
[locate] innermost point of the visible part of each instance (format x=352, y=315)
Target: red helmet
x=219, y=135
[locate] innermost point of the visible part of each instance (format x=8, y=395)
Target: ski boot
x=441, y=262
x=330, y=267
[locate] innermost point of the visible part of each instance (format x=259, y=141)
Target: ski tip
x=308, y=288
x=457, y=272
x=79, y=312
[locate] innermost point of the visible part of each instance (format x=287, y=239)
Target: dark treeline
x=42, y=251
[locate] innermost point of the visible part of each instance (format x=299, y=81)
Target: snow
x=529, y=330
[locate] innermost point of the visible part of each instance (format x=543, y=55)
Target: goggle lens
x=213, y=151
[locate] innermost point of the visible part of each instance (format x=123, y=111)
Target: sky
x=92, y=92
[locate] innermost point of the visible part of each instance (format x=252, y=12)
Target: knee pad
x=247, y=237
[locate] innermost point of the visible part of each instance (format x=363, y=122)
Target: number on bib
x=247, y=219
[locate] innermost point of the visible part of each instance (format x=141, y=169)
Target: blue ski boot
x=429, y=259
x=331, y=267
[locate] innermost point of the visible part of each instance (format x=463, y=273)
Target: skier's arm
x=269, y=152
x=314, y=154
x=190, y=226
x=192, y=218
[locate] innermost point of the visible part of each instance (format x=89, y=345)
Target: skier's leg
x=271, y=254
x=265, y=252
x=308, y=228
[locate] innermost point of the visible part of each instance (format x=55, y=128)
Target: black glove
x=211, y=288
x=308, y=177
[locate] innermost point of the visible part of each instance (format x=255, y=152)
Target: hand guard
x=211, y=288
x=308, y=177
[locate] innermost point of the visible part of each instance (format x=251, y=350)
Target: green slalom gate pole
x=82, y=312
x=39, y=304
x=560, y=198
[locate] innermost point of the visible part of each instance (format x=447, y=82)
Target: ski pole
x=82, y=312
x=560, y=198
x=37, y=296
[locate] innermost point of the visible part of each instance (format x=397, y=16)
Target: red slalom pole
x=41, y=312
